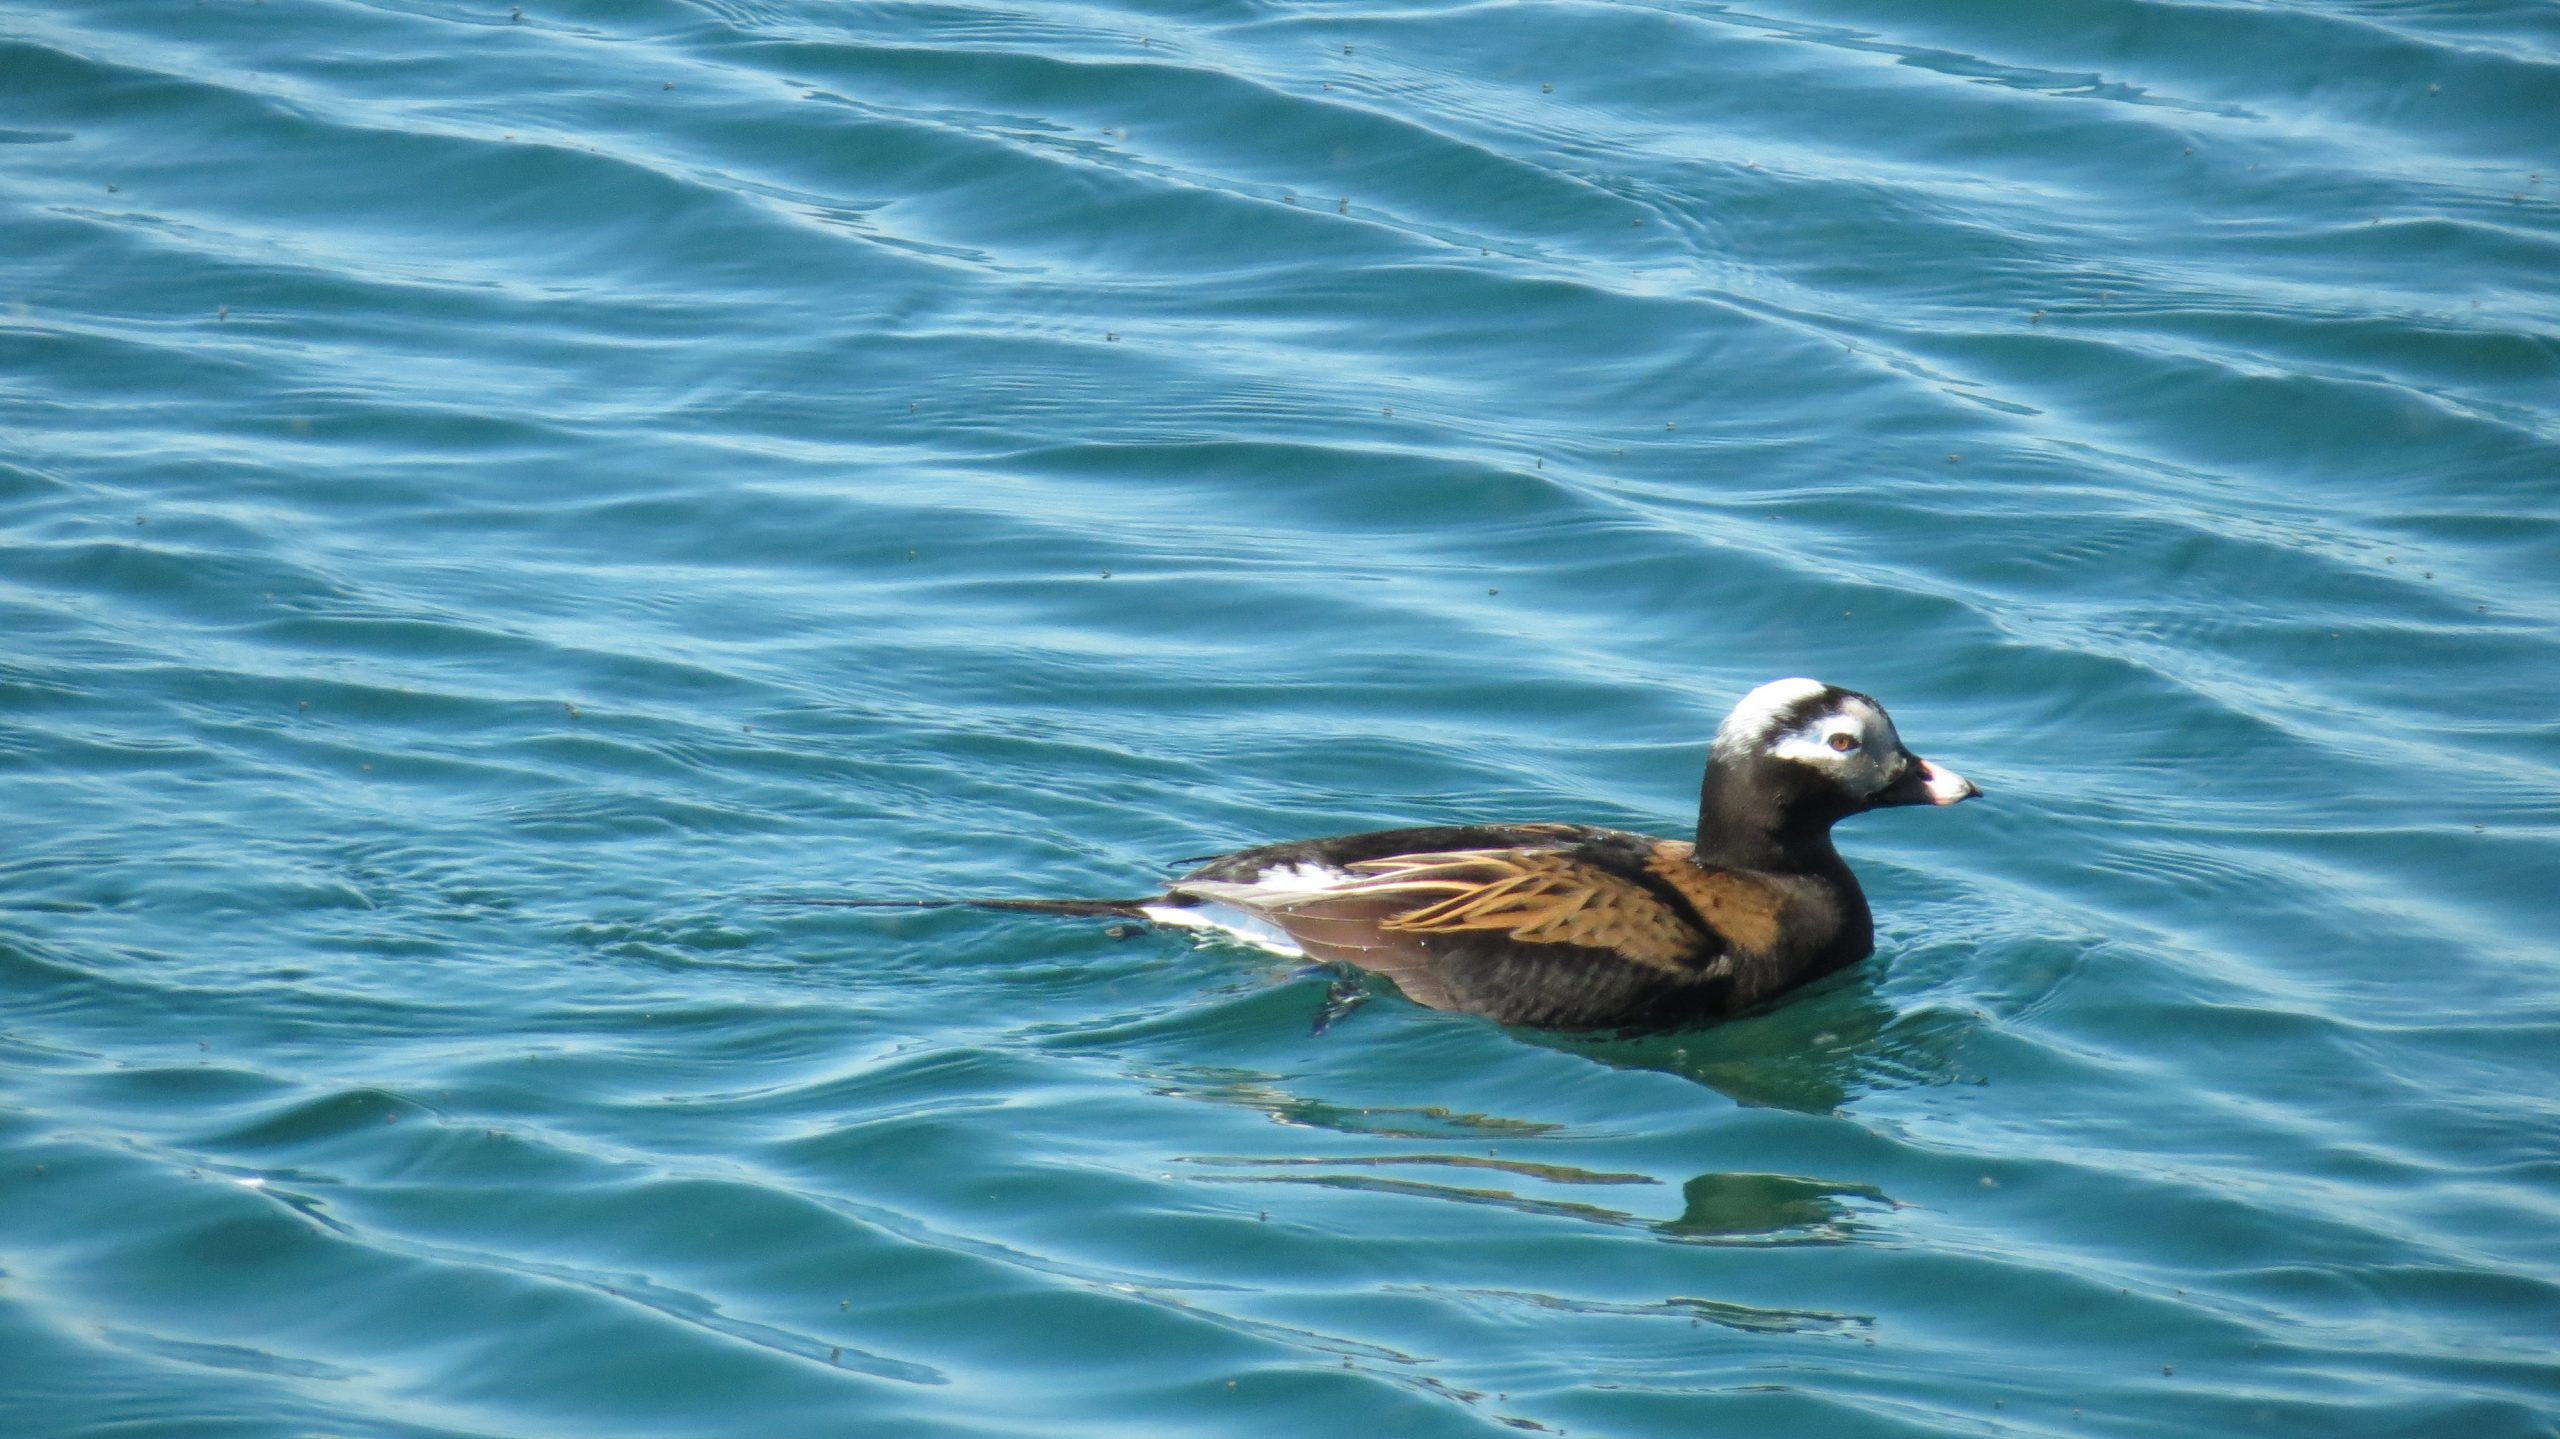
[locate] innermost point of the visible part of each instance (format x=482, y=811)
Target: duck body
x=1564, y=926
x=1553, y=926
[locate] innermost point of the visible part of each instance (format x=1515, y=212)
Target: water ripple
x=487, y=491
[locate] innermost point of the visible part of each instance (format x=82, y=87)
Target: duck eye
x=1844, y=742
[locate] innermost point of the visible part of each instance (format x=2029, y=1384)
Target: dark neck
x=1751, y=818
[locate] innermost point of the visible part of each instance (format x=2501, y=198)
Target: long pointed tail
x=1083, y=908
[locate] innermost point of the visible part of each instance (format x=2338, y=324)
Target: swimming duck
x=1567, y=926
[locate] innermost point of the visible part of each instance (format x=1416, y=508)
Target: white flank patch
x=1274, y=887
x=1230, y=921
x=1228, y=907
x=1305, y=877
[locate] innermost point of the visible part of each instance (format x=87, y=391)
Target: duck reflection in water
x=1845, y=1042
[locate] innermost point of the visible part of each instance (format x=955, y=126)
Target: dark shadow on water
x=1252, y=1089
x=1815, y=1054
x=1751, y=1319
x=1769, y=1208
x=1812, y=1053
x=1754, y=1209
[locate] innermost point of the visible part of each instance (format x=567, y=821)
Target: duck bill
x=1926, y=783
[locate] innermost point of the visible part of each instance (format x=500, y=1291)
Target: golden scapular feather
x=1744, y=910
x=1534, y=898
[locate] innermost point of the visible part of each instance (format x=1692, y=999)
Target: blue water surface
x=488, y=494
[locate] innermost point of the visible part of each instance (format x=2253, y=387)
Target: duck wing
x=1403, y=915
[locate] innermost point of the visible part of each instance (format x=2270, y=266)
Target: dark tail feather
x=1082, y=908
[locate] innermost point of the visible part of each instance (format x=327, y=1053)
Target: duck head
x=1796, y=757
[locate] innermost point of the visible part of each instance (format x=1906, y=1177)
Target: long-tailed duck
x=1567, y=926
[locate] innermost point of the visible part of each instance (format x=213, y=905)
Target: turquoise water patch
x=490, y=493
